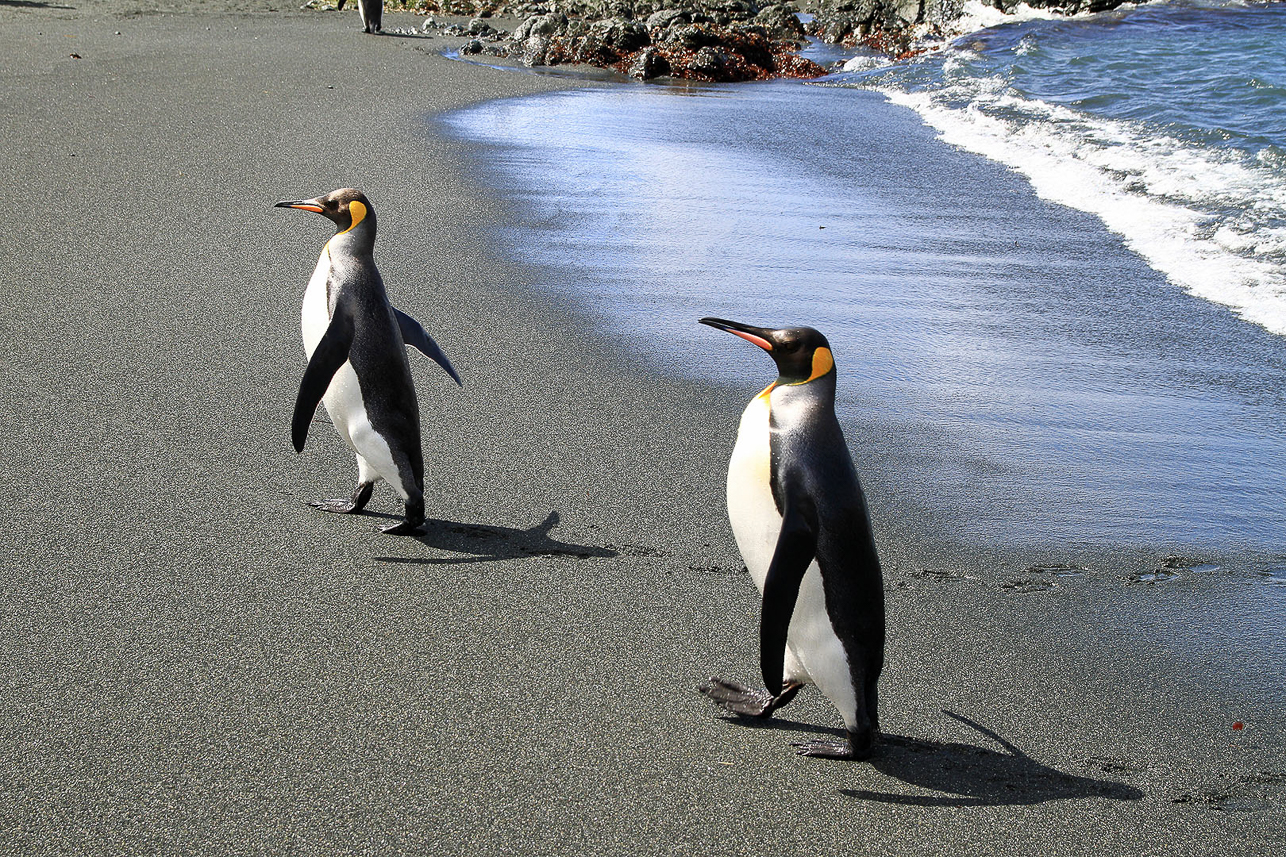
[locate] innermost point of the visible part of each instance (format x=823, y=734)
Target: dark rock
x=886, y=25
x=481, y=29
x=620, y=35
x=471, y=47
x=648, y=64
x=780, y=23
x=664, y=19
x=541, y=25
x=710, y=39
x=534, y=51
x=708, y=61
x=694, y=37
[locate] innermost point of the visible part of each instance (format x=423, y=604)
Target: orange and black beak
x=761, y=336
x=312, y=205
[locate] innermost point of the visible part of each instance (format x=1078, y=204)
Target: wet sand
x=198, y=662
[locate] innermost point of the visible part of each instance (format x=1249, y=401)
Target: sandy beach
x=199, y=663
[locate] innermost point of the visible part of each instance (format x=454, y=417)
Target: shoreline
x=918, y=539
x=204, y=661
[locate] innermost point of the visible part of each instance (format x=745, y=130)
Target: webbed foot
x=414, y=519
x=860, y=745
x=745, y=701
x=340, y=506
x=406, y=528
x=824, y=749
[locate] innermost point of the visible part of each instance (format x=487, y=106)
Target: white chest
x=315, y=317
x=756, y=523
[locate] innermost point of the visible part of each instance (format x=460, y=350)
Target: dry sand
x=199, y=663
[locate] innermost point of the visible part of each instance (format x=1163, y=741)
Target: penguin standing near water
x=371, y=11
x=356, y=345
x=801, y=524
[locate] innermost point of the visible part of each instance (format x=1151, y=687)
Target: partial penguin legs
x=414, y=518
x=861, y=736
x=745, y=701
x=361, y=496
x=751, y=702
x=353, y=505
x=860, y=744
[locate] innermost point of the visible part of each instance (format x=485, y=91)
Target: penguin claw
x=825, y=749
x=737, y=698
x=406, y=528
x=339, y=505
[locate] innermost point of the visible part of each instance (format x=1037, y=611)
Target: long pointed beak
x=757, y=335
x=302, y=205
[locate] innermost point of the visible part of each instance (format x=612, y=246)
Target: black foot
x=406, y=528
x=743, y=700
x=860, y=745
x=824, y=749
x=340, y=506
x=414, y=518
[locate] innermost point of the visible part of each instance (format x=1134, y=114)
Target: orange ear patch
x=823, y=362
x=358, y=212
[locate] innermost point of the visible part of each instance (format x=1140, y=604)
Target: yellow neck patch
x=823, y=362
x=358, y=212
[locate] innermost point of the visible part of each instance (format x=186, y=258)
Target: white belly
x=343, y=398
x=315, y=317
x=814, y=654
x=751, y=509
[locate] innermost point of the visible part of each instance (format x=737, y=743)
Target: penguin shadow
x=486, y=543
x=970, y=775
x=34, y=4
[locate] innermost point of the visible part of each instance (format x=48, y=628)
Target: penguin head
x=346, y=207
x=802, y=354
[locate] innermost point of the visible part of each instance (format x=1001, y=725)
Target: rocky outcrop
x=885, y=25
x=706, y=40
x=896, y=26
x=710, y=40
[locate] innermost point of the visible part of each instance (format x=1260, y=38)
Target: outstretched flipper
x=351, y=506
x=747, y=702
x=796, y=547
x=330, y=354
x=414, y=335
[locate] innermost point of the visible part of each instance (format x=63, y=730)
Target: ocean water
x=1051, y=260
x=1166, y=121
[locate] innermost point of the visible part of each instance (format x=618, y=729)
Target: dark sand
x=199, y=663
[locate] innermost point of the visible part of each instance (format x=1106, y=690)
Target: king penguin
x=356, y=346
x=371, y=12
x=800, y=521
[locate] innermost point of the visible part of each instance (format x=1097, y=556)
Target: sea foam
x=1212, y=219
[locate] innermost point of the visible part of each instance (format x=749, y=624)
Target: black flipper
x=330, y=354
x=796, y=547
x=414, y=335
